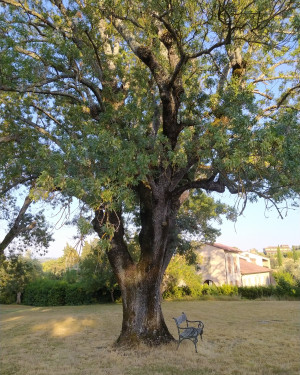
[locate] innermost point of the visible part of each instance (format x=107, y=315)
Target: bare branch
x=285, y=95
x=262, y=94
x=43, y=92
x=272, y=78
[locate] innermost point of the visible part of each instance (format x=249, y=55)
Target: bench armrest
x=200, y=324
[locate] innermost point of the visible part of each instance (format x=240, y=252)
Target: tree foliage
x=95, y=271
x=15, y=273
x=127, y=105
x=279, y=256
x=181, y=274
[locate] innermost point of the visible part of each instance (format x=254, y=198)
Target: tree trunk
x=143, y=320
x=111, y=291
x=19, y=298
x=140, y=283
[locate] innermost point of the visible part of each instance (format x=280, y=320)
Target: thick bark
x=142, y=315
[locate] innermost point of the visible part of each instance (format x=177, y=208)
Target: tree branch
x=41, y=130
x=9, y=138
x=210, y=184
x=17, y=227
x=20, y=181
x=286, y=94
x=143, y=53
x=43, y=92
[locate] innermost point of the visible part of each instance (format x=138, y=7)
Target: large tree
x=129, y=105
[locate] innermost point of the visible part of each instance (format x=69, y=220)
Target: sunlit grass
x=240, y=337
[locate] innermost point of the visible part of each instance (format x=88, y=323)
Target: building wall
x=219, y=266
x=256, y=259
x=233, y=268
x=256, y=279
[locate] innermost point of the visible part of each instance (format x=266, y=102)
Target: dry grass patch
x=240, y=337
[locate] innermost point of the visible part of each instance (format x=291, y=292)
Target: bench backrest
x=182, y=318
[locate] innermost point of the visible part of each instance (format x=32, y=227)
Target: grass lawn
x=240, y=337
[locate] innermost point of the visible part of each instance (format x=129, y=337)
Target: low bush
x=228, y=290
x=46, y=292
x=253, y=292
x=43, y=292
x=7, y=297
x=176, y=292
x=286, y=285
x=77, y=295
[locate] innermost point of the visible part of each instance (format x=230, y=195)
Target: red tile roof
x=248, y=268
x=227, y=248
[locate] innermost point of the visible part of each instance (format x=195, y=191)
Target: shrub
x=7, y=297
x=286, y=285
x=176, y=292
x=44, y=292
x=57, y=294
x=48, y=292
x=228, y=290
x=251, y=292
x=77, y=295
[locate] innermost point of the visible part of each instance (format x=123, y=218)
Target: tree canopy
x=131, y=105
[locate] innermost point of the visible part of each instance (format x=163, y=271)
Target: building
x=256, y=259
x=221, y=264
x=254, y=275
x=272, y=250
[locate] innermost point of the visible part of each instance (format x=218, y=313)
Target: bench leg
x=195, y=343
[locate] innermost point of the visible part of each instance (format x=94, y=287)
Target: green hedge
x=46, y=292
x=77, y=295
x=253, y=292
x=282, y=289
x=223, y=290
x=181, y=292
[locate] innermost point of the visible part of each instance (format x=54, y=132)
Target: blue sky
x=259, y=228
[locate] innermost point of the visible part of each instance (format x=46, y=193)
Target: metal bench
x=189, y=332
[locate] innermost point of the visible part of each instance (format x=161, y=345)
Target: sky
x=256, y=228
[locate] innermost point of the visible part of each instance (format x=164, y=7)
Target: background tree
x=71, y=257
x=127, y=105
x=95, y=271
x=194, y=222
x=16, y=272
x=295, y=254
x=54, y=267
x=181, y=279
x=279, y=257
